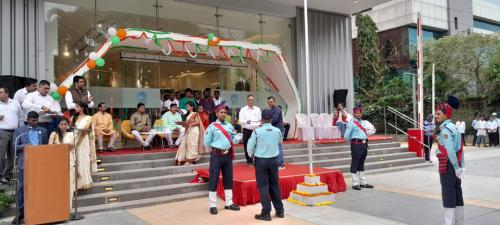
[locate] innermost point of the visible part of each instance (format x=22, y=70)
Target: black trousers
x=451, y=188
x=266, y=172
x=246, y=135
x=491, y=139
x=218, y=164
x=427, y=150
x=287, y=129
x=496, y=138
x=475, y=137
x=358, y=154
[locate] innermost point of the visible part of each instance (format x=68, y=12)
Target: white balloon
x=214, y=39
x=53, y=87
x=112, y=31
x=93, y=56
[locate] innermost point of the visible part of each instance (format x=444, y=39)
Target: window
x=481, y=24
x=456, y=23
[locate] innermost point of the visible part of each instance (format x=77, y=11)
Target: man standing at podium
x=31, y=134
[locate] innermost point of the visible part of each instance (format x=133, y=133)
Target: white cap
x=494, y=114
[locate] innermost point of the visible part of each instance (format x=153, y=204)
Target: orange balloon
x=91, y=64
x=62, y=90
x=121, y=33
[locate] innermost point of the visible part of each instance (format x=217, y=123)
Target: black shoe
x=232, y=207
x=213, y=210
x=263, y=216
x=366, y=186
x=100, y=150
x=4, y=180
x=112, y=149
x=356, y=187
x=280, y=215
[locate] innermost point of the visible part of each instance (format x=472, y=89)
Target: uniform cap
x=267, y=114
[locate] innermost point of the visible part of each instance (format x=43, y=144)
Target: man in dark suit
x=31, y=134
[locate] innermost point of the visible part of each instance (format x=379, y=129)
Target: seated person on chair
x=141, y=124
x=103, y=125
x=171, y=120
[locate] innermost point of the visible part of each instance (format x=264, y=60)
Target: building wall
x=459, y=16
x=22, y=39
x=330, y=59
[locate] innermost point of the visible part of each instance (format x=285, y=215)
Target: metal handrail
x=403, y=116
x=408, y=135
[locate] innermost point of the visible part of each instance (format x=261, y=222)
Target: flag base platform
x=245, y=191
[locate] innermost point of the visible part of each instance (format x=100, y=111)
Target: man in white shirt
x=461, y=128
x=249, y=119
x=171, y=100
x=41, y=102
x=10, y=112
x=20, y=95
x=481, y=127
x=492, y=127
x=78, y=93
x=217, y=98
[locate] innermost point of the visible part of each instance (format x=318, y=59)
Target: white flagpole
x=308, y=89
x=433, y=91
x=420, y=72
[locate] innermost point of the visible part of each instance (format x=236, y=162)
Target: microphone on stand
x=75, y=215
x=15, y=182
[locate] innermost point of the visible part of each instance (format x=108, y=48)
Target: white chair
x=320, y=131
x=303, y=127
x=332, y=132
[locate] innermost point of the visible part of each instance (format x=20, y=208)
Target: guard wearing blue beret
x=263, y=146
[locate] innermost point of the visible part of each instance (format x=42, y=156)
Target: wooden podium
x=46, y=184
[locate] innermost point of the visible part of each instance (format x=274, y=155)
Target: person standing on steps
x=357, y=133
x=428, y=139
x=250, y=116
x=220, y=137
x=263, y=146
x=451, y=163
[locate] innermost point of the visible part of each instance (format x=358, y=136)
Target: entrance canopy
x=266, y=57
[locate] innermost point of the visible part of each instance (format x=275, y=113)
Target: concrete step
x=382, y=164
x=393, y=169
x=142, y=193
x=347, y=161
x=291, y=155
x=145, y=155
x=143, y=202
x=129, y=184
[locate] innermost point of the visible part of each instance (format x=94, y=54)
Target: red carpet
x=245, y=187
x=288, y=142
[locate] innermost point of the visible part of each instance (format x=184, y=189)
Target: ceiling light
x=355, y=1
x=66, y=53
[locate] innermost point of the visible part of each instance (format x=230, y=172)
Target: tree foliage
x=371, y=70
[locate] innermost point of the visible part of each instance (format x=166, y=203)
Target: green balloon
x=100, y=62
x=55, y=95
x=210, y=36
x=115, y=40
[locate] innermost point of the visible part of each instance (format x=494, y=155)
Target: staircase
x=127, y=181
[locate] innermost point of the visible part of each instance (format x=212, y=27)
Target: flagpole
x=420, y=77
x=433, y=91
x=308, y=89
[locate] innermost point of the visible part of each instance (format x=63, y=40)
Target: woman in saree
x=85, y=145
x=62, y=136
x=192, y=146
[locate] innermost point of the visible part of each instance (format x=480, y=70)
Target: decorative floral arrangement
x=312, y=185
x=311, y=195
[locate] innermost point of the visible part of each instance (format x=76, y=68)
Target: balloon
x=214, y=39
x=53, y=87
x=91, y=64
x=112, y=31
x=99, y=62
x=211, y=35
x=62, y=90
x=121, y=33
x=115, y=40
x=93, y=56
x=56, y=96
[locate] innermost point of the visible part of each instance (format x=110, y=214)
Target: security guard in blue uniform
x=220, y=137
x=451, y=163
x=357, y=133
x=263, y=145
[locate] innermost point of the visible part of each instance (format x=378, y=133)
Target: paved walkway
x=404, y=197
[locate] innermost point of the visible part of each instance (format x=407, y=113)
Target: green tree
x=371, y=70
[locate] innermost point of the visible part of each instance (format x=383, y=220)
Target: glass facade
x=73, y=29
x=485, y=25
